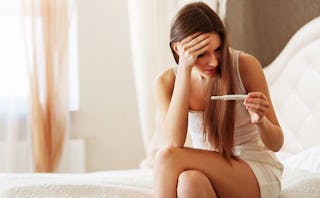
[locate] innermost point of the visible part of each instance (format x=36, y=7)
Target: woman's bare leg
x=228, y=180
x=194, y=184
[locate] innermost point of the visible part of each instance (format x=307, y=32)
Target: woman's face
x=207, y=63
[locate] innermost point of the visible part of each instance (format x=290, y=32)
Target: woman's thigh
x=234, y=179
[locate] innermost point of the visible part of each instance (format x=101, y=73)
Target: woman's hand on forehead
x=191, y=47
x=199, y=36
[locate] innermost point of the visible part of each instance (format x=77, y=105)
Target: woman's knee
x=193, y=183
x=165, y=158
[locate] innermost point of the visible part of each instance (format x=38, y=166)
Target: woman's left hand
x=257, y=105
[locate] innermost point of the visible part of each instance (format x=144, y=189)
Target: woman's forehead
x=215, y=40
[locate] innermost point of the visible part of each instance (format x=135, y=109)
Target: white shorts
x=265, y=165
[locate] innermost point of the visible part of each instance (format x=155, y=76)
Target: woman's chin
x=206, y=76
x=209, y=74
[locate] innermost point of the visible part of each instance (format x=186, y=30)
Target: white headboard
x=294, y=82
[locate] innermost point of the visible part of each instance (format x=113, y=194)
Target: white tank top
x=244, y=131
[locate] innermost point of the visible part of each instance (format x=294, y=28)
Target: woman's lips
x=211, y=71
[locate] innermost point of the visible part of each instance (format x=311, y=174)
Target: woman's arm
x=172, y=96
x=258, y=102
x=172, y=93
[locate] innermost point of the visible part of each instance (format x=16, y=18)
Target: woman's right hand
x=191, y=47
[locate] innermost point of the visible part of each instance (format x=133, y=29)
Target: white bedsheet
x=113, y=184
x=301, y=177
x=135, y=183
x=299, y=183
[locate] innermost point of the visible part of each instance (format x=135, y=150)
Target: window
x=13, y=67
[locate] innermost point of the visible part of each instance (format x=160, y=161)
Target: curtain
x=15, y=148
x=46, y=36
x=149, y=29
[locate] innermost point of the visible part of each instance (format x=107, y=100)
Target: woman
x=233, y=141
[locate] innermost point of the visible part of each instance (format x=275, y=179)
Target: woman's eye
x=218, y=50
x=201, y=55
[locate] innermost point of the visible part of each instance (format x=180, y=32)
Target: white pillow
x=308, y=160
x=297, y=183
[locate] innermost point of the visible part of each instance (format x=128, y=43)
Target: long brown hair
x=218, y=117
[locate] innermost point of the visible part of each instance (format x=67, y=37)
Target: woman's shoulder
x=250, y=70
x=165, y=78
x=248, y=63
x=166, y=75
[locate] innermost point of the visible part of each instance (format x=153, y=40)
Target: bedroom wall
x=262, y=27
x=108, y=115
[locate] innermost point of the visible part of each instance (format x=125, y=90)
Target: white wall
x=108, y=115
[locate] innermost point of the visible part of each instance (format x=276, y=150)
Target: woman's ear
x=174, y=47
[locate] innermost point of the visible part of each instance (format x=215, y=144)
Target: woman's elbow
x=175, y=144
x=276, y=147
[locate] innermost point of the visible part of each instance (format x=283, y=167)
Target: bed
x=294, y=80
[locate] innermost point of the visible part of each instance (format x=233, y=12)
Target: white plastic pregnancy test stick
x=229, y=97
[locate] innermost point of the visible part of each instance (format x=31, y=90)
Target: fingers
x=257, y=95
x=200, y=47
x=194, y=42
x=195, y=38
x=257, y=103
x=257, y=106
x=191, y=47
x=256, y=100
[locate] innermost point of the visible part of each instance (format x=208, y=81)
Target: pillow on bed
x=308, y=160
x=297, y=183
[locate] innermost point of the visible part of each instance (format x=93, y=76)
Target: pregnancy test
x=229, y=97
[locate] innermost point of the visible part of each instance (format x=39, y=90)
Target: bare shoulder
x=248, y=64
x=163, y=89
x=251, y=73
x=165, y=80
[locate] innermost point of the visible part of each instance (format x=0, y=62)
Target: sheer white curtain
x=149, y=27
x=15, y=147
x=15, y=129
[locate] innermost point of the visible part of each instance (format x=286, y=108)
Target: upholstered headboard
x=294, y=82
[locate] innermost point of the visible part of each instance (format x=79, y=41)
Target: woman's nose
x=213, y=60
